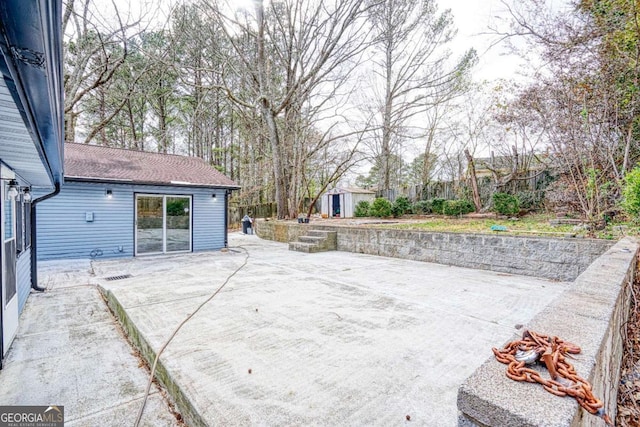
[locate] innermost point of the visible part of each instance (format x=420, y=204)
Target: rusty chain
x=552, y=352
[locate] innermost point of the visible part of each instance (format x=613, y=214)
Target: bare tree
x=585, y=96
x=411, y=67
x=295, y=48
x=94, y=50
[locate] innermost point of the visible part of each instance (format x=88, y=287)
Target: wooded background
x=289, y=97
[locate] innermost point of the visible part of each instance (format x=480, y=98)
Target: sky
x=473, y=18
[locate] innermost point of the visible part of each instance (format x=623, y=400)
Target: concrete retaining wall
x=561, y=259
x=592, y=314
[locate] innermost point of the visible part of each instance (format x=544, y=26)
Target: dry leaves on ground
x=629, y=391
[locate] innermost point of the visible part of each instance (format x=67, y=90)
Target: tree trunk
x=70, y=126
x=103, y=114
x=386, y=123
x=426, y=162
x=269, y=118
x=276, y=154
x=474, y=181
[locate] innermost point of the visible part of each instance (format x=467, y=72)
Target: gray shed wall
x=348, y=202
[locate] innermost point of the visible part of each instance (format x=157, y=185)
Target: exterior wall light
x=213, y=196
x=13, y=189
x=109, y=194
x=26, y=194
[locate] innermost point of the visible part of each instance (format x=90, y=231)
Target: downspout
x=226, y=218
x=34, y=243
x=1, y=309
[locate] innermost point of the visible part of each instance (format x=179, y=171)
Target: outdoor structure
x=503, y=165
x=31, y=135
x=123, y=203
x=341, y=202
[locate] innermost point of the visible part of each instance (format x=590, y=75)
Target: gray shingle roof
x=93, y=162
x=355, y=190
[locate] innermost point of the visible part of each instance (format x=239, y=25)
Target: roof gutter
x=34, y=239
x=155, y=183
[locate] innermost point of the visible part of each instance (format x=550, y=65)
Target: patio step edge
x=315, y=241
x=137, y=340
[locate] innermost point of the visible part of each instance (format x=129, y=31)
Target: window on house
x=23, y=225
x=8, y=219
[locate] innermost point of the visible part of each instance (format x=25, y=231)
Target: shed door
x=336, y=205
x=9, y=286
x=163, y=224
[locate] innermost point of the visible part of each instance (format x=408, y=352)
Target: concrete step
x=305, y=247
x=316, y=241
x=320, y=233
x=312, y=239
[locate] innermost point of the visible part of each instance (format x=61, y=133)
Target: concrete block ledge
x=551, y=258
x=592, y=314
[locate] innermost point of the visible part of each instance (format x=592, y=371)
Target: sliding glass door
x=163, y=224
x=178, y=224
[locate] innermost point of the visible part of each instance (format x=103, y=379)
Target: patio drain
x=122, y=276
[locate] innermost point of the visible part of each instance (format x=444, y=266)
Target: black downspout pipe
x=1, y=310
x=226, y=218
x=34, y=240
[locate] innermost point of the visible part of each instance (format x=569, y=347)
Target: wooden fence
x=457, y=189
x=236, y=213
x=264, y=210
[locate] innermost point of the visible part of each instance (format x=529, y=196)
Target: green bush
x=421, y=207
x=631, y=194
x=437, y=205
x=530, y=200
x=505, y=204
x=177, y=207
x=457, y=207
x=401, y=206
x=362, y=209
x=380, y=208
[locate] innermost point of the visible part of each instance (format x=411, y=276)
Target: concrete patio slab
x=331, y=338
x=69, y=351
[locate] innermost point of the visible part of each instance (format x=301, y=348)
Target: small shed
x=341, y=202
x=123, y=203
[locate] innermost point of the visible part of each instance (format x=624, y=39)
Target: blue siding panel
x=208, y=220
x=64, y=232
x=23, y=271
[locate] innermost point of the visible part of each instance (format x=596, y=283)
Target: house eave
x=31, y=67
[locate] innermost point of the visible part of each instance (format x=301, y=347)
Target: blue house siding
x=64, y=232
x=62, y=229
x=23, y=277
x=208, y=220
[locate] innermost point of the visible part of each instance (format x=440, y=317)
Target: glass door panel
x=178, y=224
x=149, y=224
